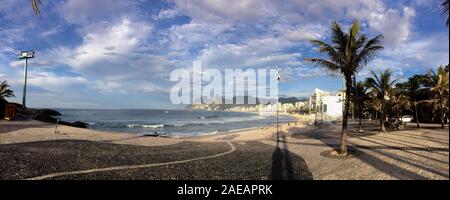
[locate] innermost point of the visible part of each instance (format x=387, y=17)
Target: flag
x=278, y=75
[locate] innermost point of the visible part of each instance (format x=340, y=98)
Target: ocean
x=169, y=122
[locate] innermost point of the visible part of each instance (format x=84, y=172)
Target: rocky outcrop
x=43, y=115
x=50, y=112
x=75, y=124
x=48, y=115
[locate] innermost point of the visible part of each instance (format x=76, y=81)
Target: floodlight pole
x=25, y=55
x=25, y=83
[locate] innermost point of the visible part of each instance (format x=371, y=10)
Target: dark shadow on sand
x=329, y=136
x=281, y=161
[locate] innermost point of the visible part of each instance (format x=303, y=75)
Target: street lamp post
x=25, y=55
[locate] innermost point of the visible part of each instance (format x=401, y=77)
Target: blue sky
x=119, y=54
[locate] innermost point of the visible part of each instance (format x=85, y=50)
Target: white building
x=316, y=98
x=300, y=104
x=332, y=106
x=325, y=105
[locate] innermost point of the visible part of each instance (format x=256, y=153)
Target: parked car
x=406, y=119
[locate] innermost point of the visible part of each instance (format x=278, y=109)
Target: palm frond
x=35, y=5
x=444, y=9
x=369, y=50
x=338, y=37
x=5, y=91
x=374, y=81
x=326, y=48
x=353, y=36
x=381, y=83
x=328, y=66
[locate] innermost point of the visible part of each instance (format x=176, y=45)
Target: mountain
x=288, y=99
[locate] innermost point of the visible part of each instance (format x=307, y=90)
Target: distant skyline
x=119, y=54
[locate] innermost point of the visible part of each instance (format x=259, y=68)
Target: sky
x=119, y=54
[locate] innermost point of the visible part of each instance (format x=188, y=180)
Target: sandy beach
x=32, y=130
x=257, y=153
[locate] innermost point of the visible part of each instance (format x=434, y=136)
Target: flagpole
x=278, y=99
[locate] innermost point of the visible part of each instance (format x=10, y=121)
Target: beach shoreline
x=27, y=131
x=176, y=123
x=32, y=130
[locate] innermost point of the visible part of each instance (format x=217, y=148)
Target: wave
x=145, y=126
x=208, y=117
x=197, y=123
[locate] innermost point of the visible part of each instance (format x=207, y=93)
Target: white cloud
x=425, y=51
x=394, y=25
x=166, y=14
x=12, y=35
x=33, y=63
x=429, y=48
x=244, y=10
x=378, y=65
x=415, y=55
x=113, y=57
x=116, y=51
x=260, y=52
x=225, y=11
x=108, y=51
x=14, y=10
x=193, y=34
x=127, y=86
x=108, y=43
x=51, y=31
x=305, y=33
x=309, y=71
x=54, y=83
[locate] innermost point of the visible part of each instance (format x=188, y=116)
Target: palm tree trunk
x=360, y=115
x=343, y=147
x=382, y=118
x=360, y=122
x=417, y=114
x=353, y=111
x=442, y=112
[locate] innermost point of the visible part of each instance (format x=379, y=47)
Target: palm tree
x=413, y=88
x=444, y=8
x=35, y=5
x=5, y=91
x=381, y=86
x=375, y=104
x=348, y=53
x=438, y=85
x=360, y=97
x=399, y=102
